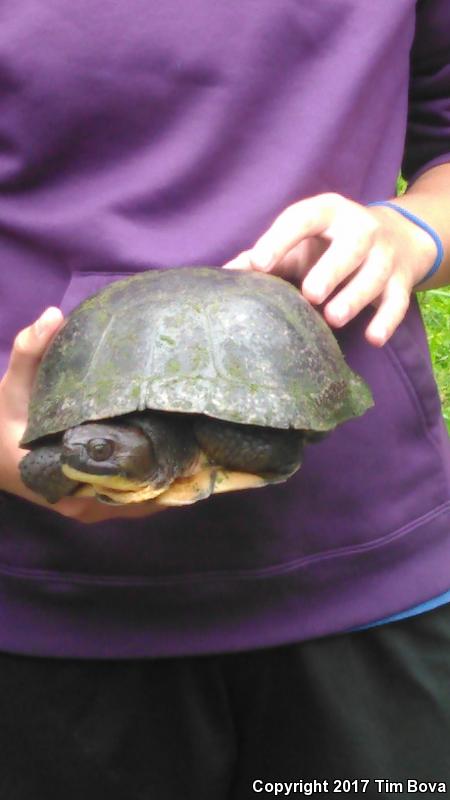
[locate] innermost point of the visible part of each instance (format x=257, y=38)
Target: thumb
x=29, y=346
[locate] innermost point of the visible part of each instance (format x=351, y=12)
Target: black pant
x=370, y=706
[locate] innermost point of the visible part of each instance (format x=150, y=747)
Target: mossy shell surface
x=239, y=346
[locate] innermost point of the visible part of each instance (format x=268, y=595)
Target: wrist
x=424, y=249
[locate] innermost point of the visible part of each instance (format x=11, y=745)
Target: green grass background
x=435, y=307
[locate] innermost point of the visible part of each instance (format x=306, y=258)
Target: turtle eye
x=100, y=449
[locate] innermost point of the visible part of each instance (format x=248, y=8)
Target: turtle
x=176, y=384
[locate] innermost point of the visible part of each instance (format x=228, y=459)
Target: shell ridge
x=212, y=346
x=142, y=404
x=149, y=367
x=93, y=360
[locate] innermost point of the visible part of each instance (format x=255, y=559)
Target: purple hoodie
x=140, y=134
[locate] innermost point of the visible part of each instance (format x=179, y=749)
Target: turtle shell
x=239, y=346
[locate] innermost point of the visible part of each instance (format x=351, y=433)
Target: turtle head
x=128, y=459
x=108, y=460
x=108, y=449
x=113, y=461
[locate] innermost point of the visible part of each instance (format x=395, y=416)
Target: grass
x=435, y=307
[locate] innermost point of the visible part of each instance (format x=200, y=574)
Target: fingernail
x=240, y=262
x=316, y=294
x=262, y=258
x=40, y=327
x=340, y=315
x=45, y=321
x=379, y=333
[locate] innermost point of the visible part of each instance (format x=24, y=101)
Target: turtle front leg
x=270, y=453
x=41, y=472
x=235, y=457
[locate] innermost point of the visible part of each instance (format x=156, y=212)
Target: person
x=283, y=640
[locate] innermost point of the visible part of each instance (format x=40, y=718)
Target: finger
x=342, y=258
x=367, y=284
x=29, y=347
x=292, y=266
x=310, y=217
x=242, y=261
x=391, y=311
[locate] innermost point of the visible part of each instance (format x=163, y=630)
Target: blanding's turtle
x=176, y=384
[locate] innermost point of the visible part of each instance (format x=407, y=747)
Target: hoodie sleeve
x=428, y=131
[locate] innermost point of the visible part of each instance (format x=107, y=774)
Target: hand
x=15, y=388
x=346, y=256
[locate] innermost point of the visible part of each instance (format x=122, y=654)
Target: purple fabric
x=140, y=135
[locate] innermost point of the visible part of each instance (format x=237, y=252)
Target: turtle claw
x=237, y=481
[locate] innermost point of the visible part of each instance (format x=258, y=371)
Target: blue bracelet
x=425, y=227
